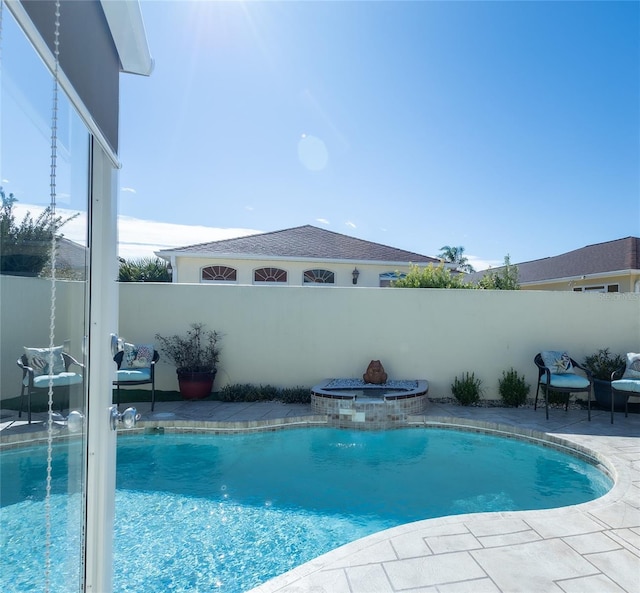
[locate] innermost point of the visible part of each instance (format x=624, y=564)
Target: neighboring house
x=613, y=266
x=71, y=258
x=299, y=256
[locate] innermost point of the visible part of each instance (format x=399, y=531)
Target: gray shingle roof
x=600, y=258
x=70, y=254
x=302, y=242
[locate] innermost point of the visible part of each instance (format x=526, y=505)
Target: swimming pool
x=227, y=512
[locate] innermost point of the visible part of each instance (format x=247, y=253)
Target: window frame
x=274, y=282
x=215, y=280
x=319, y=274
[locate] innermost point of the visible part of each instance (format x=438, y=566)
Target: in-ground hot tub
x=355, y=404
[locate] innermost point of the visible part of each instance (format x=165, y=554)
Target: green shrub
x=268, y=393
x=240, y=392
x=246, y=392
x=431, y=277
x=513, y=388
x=505, y=278
x=295, y=395
x=467, y=390
x=603, y=363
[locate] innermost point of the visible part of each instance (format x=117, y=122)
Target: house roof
x=601, y=258
x=303, y=242
x=70, y=254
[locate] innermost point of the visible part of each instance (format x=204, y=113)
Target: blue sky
x=504, y=127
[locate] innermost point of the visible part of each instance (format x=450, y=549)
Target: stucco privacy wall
x=24, y=321
x=288, y=336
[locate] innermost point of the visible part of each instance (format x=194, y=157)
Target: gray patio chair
x=625, y=382
x=556, y=375
x=36, y=377
x=133, y=374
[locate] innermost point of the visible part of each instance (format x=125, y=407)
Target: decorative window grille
x=319, y=277
x=219, y=274
x=270, y=275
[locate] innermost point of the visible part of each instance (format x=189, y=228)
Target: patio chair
x=625, y=381
x=36, y=377
x=556, y=374
x=136, y=366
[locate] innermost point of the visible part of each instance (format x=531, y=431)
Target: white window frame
x=267, y=282
x=209, y=281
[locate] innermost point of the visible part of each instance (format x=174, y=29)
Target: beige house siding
x=189, y=270
x=625, y=282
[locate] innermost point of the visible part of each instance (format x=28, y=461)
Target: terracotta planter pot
x=196, y=385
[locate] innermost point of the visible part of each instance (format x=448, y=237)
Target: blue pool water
x=224, y=513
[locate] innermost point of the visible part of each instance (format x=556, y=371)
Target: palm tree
x=455, y=255
x=144, y=269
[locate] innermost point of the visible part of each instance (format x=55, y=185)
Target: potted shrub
x=601, y=364
x=195, y=356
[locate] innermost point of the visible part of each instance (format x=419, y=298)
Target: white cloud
x=137, y=237
x=350, y=224
x=75, y=230
x=128, y=189
x=322, y=221
x=140, y=238
x=480, y=264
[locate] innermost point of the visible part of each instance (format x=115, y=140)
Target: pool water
x=225, y=513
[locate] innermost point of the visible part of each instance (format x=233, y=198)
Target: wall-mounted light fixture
x=355, y=275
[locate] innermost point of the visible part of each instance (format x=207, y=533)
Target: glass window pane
x=37, y=313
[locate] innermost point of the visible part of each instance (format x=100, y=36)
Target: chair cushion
x=632, y=385
x=38, y=360
x=570, y=380
x=134, y=375
x=137, y=356
x=59, y=380
x=557, y=361
x=632, y=371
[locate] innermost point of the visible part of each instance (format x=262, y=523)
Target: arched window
x=319, y=277
x=387, y=278
x=269, y=275
x=218, y=274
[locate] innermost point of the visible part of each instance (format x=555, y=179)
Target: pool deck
x=588, y=548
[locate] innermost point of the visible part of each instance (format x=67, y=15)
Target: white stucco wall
x=288, y=336
x=24, y=321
